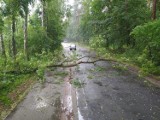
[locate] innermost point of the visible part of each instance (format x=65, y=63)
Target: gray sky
x=70, y=2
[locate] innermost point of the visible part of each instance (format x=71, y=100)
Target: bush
x=148, y=34
x=38, y=40
x=98, y=43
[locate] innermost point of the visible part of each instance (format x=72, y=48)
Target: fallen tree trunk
x=79, y=62
x=89, y=57
x=71, y=64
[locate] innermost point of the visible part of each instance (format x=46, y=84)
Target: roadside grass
x=62, y=74
x=8, y=84
x=90, y=77
x=74, y=56
x=77, y=83
x=58, y=81
x=99, y=69
x=120, y=68
x=91, y=70
x=113, y=74
x=12, y=90
x=129, y=57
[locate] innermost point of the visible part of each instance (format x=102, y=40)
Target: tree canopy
x=122, y=26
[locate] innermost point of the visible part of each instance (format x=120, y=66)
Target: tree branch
x=79, y=62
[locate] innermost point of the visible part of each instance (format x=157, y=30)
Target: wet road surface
x=43, y=101
x=100, y=91
x=111, y=93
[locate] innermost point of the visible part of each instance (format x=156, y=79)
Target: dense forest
x=31, y=32
x=126, y=29
x=25, y=33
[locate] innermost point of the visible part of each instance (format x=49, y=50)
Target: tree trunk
x=154, y=9
x=127, y=26
x=14, y=51
x=2, y=46
x=43, y=13
x=26, y=37
x=44, y=18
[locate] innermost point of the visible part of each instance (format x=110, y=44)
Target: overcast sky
x=70, y=2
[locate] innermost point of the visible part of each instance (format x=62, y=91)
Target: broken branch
x=79, y=62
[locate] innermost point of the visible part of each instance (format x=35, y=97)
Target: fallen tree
x=79, y=62
x=64, y=64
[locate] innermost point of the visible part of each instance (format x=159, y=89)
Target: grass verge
x=12, y=93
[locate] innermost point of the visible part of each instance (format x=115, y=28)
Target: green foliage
x=121, y=30
x=63, y=74
x=1, y=23
x=73, y=56
x=8, y=83
x=77, y=83
x=43, y=44
x=40, y=73
x=113, y=20
x=149, y=67
x=54, y=24
x=38, y=40
x=97, y=41
x=120, y=67
x=148, y=34
x=90, y=77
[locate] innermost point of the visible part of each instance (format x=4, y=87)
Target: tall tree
x=24, y=13
x=44, y=12
x=12, y=8
x=154, y=9
x=1, y=37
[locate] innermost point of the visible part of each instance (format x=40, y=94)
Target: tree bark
x=2, y=46
x=154, y=9
x=43, y=13
x=79, y=62
x=26, y=37
x=14, y=51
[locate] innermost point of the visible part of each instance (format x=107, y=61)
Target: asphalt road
x=111, y=93
x=101, y=91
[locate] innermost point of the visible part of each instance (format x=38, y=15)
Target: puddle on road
x=80, y=117
x=67, y=105
x=63, y=104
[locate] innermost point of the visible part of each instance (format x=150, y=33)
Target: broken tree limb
x=79, y=62
x=71, y=64
x=89, y=57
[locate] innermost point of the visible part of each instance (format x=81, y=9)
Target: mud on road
x=101, y=91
